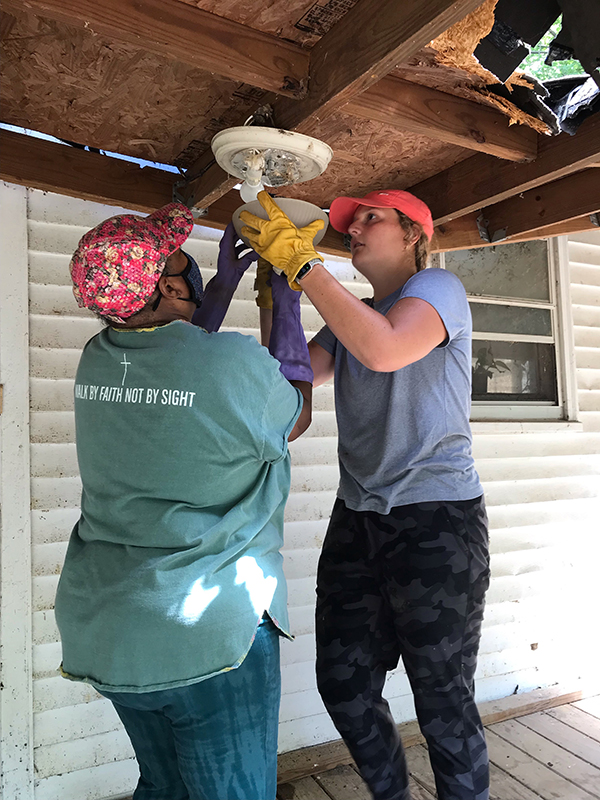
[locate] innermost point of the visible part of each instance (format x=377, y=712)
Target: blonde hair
x=422, y=243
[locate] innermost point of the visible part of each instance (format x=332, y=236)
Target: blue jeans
x=212, y=740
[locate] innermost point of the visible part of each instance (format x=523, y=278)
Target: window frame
x=559, y=305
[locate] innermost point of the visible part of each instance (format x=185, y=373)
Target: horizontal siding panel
x=585, y=250
x=589, y=399
x=589, y=378
x=316, y=478
x=70, y=332
x=314, y=450
x=519, y=445
x=48, y=558
x=48, y=237
x=51, y=395
x=304, y=534
x=51, y=300
x=58, y=692
x=300, y=563
x=54, y=525
x=50, y=268
x=52, y=426
x=301, y=591
x=44, y=629
x=586, y=336
x=587, y=358
x=302, y=619
x=47, y=493
x=96, y=783
x=570, y=511
x=75, y=722
x=582, y=273
x=54, y=460
x=316, y=506
x=585, y=295
x=53, y=364
x=586, y=315
x=46, y=660
x=44, y=591
x=535, y=491
x=93, y=751
x=324, y=424
x=534, y=468
x=591, y=420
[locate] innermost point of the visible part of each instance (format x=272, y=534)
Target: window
x=519, y=367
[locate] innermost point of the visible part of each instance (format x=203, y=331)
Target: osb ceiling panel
x=76, y=85
x=301, y=21
x=371, y=155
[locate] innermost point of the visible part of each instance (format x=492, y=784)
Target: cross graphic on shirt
x=126, y=364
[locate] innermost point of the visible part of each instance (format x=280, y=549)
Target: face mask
x=193, y=280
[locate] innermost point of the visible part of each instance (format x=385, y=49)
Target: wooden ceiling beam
x=438, y=115
x=463, y=233
x=553, y=203
x=40, y=164
x=481, y=180
x=363, y=47
x=53, y=167
x=187, y=34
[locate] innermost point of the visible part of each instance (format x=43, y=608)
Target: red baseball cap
x=343, y=209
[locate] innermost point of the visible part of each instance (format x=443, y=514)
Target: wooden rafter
x=362, y=48
x=187, y=34
x=456, y=120
x=463, y=234
x=49, y=166
x=559, y=201
x=481, y=180
x=53, y=167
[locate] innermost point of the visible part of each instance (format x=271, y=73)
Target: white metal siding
x=542, y=491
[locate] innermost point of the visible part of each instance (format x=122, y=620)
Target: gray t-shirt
x=404, y=436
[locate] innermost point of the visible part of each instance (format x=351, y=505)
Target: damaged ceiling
x=393, y=88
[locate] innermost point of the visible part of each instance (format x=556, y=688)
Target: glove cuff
x=295, y=264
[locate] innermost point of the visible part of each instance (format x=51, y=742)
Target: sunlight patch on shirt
x=196, y=603
x=260, y=589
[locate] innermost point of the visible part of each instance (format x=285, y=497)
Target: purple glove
x=218, y=293
x=288, y=343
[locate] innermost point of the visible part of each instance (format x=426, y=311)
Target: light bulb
x=249, y=193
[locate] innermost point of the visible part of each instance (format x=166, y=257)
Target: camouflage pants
x=412, y=584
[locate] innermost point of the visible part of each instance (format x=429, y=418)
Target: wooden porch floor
x=549, y=755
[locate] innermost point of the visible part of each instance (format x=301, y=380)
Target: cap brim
x=343, y=209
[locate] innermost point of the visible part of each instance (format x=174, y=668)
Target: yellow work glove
x=264, y=298
x=279, y=241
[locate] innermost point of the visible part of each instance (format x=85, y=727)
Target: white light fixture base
x=299, y=211
x=269, y=157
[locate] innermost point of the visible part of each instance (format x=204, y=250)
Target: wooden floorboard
x=578, y=719
x=533, y=743
x=552, y=754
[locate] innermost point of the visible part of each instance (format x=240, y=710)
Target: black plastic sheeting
x=564, y=103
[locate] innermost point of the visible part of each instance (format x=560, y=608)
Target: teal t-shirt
x=182, y=448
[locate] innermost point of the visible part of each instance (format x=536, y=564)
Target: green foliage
x=534, y=63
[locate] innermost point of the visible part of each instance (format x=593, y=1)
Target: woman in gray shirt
x=405, y=563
